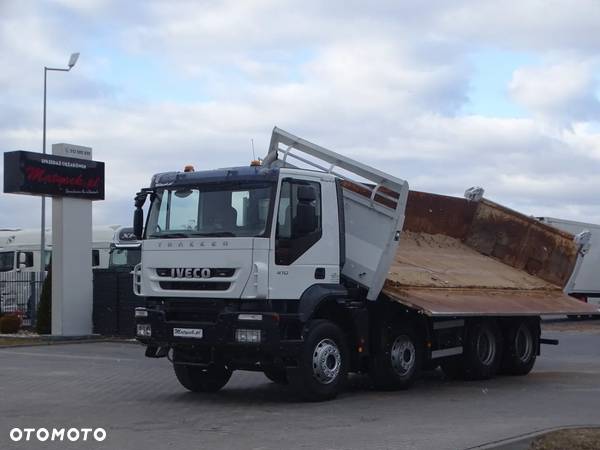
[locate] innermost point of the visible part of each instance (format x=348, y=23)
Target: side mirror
x=138, y=223
x=138, y=215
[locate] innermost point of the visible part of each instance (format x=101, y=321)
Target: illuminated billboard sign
x=56, y=176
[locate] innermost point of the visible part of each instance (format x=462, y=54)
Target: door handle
x=320, y=273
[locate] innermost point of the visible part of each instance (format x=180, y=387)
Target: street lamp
x=72, y=61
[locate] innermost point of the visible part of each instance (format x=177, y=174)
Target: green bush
x=43, y=324
x=10, y=323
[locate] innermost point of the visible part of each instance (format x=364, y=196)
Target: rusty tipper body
x=478, y=258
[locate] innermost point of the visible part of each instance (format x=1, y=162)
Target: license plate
x=188, y=332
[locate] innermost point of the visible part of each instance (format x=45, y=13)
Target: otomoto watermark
x=57, y=434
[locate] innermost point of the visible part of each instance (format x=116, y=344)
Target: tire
x=397, y=361
x=323, y=362
x=278, y=376
x=200, y=379
x=522, y=342
x=482, y=351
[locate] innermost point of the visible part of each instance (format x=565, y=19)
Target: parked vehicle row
x=20, y=269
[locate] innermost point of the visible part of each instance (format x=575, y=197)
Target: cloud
x=565, y=92
x=383, y=82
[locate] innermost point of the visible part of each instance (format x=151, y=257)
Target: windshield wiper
x=169, y=235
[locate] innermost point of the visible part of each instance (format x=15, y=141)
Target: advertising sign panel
x=57, y=176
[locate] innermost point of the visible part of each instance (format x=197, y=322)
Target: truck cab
x=241, y=233
x=125, y=250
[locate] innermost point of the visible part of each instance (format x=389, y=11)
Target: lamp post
x=72, y=61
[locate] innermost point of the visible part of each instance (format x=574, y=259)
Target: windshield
x=7, y=261
x=218, y=211
x=121, y=257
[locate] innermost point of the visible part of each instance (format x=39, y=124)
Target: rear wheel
x=201, y=379
x=397, y=360
x=522, y=341
x=323, y=363
x=482, y=353
x=483, y=350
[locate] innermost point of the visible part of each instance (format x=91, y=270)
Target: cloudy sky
x=446, y=95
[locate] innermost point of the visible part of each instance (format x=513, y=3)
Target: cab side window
x=299, y=224
x=25, y=259
x=95, y=258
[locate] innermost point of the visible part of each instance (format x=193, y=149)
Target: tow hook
x=156, y=352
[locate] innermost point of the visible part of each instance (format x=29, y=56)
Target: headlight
x=248, y=336
x=250, y=316
x=144, y=330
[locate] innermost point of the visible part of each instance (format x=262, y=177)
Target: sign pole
x=73, y=181
x=72, y=278
x=43, y=226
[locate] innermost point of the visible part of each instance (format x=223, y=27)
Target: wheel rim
x=326, y=361
x=403, y=355
x=523, y=343
x=486, y=347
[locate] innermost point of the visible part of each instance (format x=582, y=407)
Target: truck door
x=306, y=236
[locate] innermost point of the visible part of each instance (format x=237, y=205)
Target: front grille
x=192, y=316
x=193, y=311
x=193, y=286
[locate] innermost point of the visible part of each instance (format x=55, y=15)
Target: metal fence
x=20, y=293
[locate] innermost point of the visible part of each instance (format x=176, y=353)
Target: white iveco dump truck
x=310, y=271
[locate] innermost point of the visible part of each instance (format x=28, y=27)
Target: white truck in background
x=20, y=248
x=586, y=284
x=21, y=271
x=309, y=265
x=125, y=250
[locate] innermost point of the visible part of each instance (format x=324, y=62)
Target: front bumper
x=218, y=340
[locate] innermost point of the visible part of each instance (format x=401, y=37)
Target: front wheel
x=397, y=361
x=323, y=363
x=201, y=379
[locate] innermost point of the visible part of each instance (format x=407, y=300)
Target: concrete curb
x=522, y=441
x=63, y=340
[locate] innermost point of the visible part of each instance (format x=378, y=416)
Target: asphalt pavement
x=141, y=405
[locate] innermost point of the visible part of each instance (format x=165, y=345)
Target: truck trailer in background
x=310, y=265
x=585, y=284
